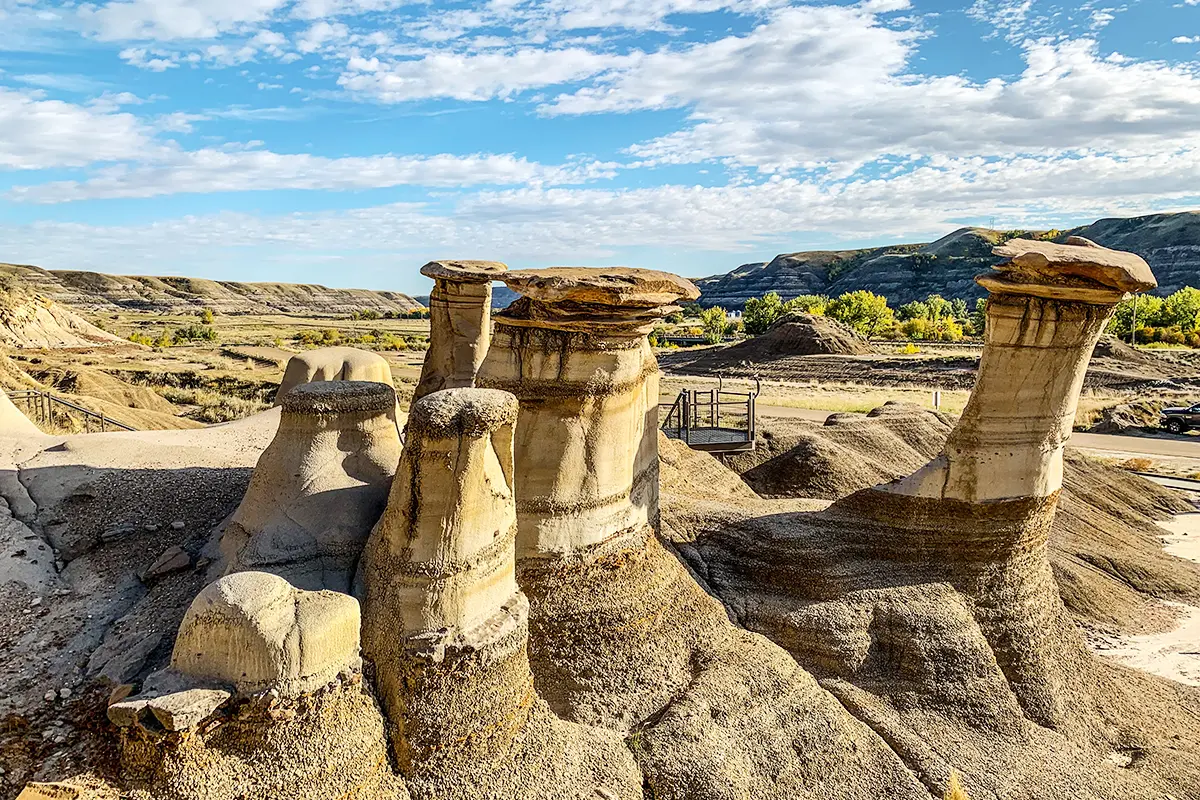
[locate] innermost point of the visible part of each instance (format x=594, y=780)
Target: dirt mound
x=793, y=334
x=1127, y=416
x=31, y=321
x=1110, y=347
x=685, y=471
x=97, y=384
x=1106, y=549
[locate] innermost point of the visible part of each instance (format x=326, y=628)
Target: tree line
x=1172, y=320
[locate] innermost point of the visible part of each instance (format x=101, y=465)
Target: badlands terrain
x=473, y=567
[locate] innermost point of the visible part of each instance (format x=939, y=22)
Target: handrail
x=45, y=413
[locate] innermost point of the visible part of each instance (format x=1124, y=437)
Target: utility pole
x=1133, y=325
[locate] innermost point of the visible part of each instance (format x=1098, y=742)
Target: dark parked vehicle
x=1178, y=420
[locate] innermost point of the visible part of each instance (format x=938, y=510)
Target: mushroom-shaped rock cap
x=451, y=413
x=1079, y=258
x=327, y=398
x=605, y=286
x=465, y=271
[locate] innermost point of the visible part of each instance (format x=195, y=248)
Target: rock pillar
x=319, y=486
x=442, y=605
x=460, y=309
x=979, y=514
x=574, y=350
x=448, y=629
x=1048, y=306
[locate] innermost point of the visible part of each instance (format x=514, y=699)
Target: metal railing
x=40, y=407
x=698, y=417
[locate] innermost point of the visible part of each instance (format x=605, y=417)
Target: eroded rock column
x=460, y=309
x=319, y=486
x=1048, y=306
x=979, y=514
x=446, y=626
x=574, y=350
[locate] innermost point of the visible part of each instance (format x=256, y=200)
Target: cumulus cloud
x=831, y=85
x=165, y=20
x=38, y=133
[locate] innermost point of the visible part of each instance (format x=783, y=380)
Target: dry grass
x=954, y=789
x=1137, y=464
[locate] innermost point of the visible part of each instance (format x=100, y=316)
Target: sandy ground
x=1173, y=654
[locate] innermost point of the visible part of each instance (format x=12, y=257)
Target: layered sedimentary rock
x=319, y=486
x=621, y=634
x=928, y=605
x=446, y=626
x=460, y=308
x=333, y=364
x=574, y=351
x=264, y=698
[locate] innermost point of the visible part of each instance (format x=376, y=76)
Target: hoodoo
x=318, y=487
x=447, y=628
x=460, y=329
x=574, y=350
x=333, y=364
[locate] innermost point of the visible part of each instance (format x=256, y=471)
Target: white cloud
x=832, y=86
x=594, y=225
x=154, y=60
x=207, y=171
x=473, y=77
x=164, y=20
x=1186, y=39
x=37, y=133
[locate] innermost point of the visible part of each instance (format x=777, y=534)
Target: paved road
x=1167, y=445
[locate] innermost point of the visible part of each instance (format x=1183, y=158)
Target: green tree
x=760, y=312
x=939, y=308
x=914, y=310
x=714, y=322
x=979, y=316
x=1182, y=309
x=1149, y=313
x=866, y=312
x=958, y=310
x=807, y=304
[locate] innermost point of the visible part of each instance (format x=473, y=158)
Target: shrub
x=1172, y=335
x=1137, y=464
x=761, y=312
x=206, y=315
x=1193, y=340
x=192, y=333
x=910, y=349
x=915, y=328
x=954, y=789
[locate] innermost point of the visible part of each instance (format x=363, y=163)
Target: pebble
x=177, y=525
x=37, y=601
x=64, y=692
x=151, y=527
x=50, y=696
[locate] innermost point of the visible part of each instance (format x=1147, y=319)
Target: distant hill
x=98, y=293
x=1170, y=243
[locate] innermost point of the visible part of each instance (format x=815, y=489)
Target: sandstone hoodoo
x=319, y=486
x=460, y=308
x=447, y=628
x=953, y=559
x=333, y=364
x=574, y=350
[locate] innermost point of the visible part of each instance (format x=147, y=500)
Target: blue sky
x=346, y=142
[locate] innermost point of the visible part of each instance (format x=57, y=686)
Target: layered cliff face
x=97, y=292
x=1170, y=244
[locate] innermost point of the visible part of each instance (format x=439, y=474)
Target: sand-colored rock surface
x=333, y=364
x=705, y=643
x=447, y=628
x=319, y=486
x=460, y=309
x=255, y=631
